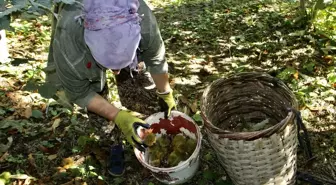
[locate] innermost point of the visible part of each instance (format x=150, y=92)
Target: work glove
x=166, y=102
x=128, y=125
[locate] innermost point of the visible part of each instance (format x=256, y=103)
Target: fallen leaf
x=3, y=157
x=60, y=169
x=193, y=106
x=56, y=124
x=63, y=100
x=37, y=114
x=67, y=162
x=27, y=113
x=43, y=106
x=31, y=160
x=4, y=148
x=75, y=181
x=52, y=157
x=43, y=149
x=22, y=177
x=27, y=182
x=328, y=58
x=100, y=182
x=296, y=75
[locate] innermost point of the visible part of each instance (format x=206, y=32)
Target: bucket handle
x=140, y=146
x=303, y=138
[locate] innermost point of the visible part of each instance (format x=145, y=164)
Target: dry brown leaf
x=3, y=157
x=192, y=106
x=75, y=181
x=68, y=162
x=43, y=106
x=100, y=182
x=296, y=75
x=43, y=149
x=60, y=169
x=27, y=112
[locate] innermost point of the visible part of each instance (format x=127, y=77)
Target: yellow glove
x=166, y=102
x=129, y=124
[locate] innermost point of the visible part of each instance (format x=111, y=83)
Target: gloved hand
x=166, y=102
x=128, y=124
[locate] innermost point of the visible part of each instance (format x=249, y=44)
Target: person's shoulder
x=69, y=17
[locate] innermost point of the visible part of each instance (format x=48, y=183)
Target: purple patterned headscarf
x=112, y=31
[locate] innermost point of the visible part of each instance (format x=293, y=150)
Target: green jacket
x=71, y=65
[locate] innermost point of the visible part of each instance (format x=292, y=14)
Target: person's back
x=77, y=68
x=92, y=36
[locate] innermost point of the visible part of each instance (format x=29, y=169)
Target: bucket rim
x=184, y=163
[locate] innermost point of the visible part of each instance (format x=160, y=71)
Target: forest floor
x=205, y=40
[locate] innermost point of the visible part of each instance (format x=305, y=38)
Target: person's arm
x=154, y=58
x=102, y=107
x=162, y=82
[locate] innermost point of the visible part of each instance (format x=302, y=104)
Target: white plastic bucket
x=185, y=170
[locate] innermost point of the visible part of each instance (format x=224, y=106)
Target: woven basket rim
x=248, y=135
x=254, y=134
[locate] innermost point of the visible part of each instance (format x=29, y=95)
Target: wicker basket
x=260, y=157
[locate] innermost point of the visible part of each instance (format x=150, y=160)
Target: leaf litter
x=205, y=40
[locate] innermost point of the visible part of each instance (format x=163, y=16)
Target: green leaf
x=13, y=124
x=118, y=180
x=47, y=144
x=37, y=114
x=17, y=7
x=286, y=74
x=309, y=66
x=53, y=112
x=332, y=78
x=209, y=175
x=208, y=156
x=197, y=117
x=82, y=140
x=320, y=4
x=76, y=149
x=74, y=119
x=150, y=183
x=2, y=112
x=11, y=109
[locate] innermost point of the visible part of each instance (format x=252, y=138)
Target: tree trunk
x=3, y=47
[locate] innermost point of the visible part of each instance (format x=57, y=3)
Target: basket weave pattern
x=261, y=157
